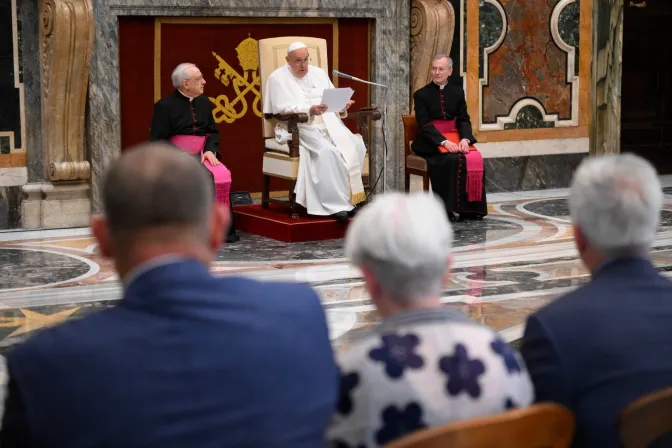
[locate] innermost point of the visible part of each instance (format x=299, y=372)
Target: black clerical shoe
x=451, y=217
x=340, y=216
x=232, y=238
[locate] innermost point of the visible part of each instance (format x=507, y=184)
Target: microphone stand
x=384, y=125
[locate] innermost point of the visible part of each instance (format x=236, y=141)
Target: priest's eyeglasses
x=300, y=62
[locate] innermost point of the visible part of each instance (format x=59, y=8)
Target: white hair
x=405, y=241
x=443, y=56
x=615, y=201
x=181, y=74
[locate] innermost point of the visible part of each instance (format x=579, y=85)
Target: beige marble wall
x=605, y=77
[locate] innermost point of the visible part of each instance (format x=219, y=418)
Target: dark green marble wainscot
x=529, y=117
x=10, y=207
x=506, y=174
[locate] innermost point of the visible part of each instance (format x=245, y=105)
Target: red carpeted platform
x=275, y=222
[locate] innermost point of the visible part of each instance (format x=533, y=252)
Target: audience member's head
x=158, y=200
x=402, y=243
x=615, y=203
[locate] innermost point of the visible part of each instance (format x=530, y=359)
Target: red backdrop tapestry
x=219, y=47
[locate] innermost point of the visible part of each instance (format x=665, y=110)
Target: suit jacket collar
x=163, y=274
x=626, y=266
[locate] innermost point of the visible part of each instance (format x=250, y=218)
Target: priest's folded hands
x=210, y=157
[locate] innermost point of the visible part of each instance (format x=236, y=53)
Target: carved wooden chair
x=282, y=161
x=646, y=419
x=415, y=165
x=542, y=425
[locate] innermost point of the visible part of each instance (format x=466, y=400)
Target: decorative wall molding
x=16, y=136
x=66, y=40
x=572, y=78
x=605, y=77
x=432, y=32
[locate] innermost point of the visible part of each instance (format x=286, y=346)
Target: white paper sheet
x=336, y=99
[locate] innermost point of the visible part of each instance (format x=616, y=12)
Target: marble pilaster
x=389, y=53
x=30, y=42
x=605, y=78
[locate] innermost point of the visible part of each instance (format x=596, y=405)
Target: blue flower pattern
x=348, y=384
x=397, y=352
x=508, y=355
x=399, y=422
x=463, y=373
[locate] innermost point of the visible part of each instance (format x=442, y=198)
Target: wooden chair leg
x=425, y=181
x=408, y=181
x=265, y=191
x=292, y=202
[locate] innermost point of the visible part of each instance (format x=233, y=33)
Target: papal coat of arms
x=231, y=110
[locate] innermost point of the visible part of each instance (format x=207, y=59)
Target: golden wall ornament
x=248, y=82
x=66, y=41
x=432, y=31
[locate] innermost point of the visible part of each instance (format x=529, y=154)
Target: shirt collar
x=147, y=266
x=186, y=96
x=440, y=86
x=423, y=316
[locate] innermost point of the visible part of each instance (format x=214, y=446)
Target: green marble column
x=605, y=77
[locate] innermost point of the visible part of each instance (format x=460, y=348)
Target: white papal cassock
x=331, y=157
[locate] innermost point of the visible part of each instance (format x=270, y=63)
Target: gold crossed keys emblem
x=231, y=110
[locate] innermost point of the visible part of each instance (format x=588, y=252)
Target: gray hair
x=615, y=201
x=405, y=241
x=153, y=185
x=443, y=56
x=181, y=74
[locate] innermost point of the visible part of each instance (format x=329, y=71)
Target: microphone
x=346, y=76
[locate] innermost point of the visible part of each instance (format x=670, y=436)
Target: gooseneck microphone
x=346, y=76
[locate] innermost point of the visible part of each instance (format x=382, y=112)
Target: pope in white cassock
x=329, y=180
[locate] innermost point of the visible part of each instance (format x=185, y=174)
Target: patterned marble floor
x=519, y=258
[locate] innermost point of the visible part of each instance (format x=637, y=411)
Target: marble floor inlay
x=519, y=258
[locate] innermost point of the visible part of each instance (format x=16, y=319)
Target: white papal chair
x=282, y=161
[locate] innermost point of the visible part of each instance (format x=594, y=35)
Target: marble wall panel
x=389, y=52
x=10, y=207
x=527, y=63
x=530, y=172
x=30, y=64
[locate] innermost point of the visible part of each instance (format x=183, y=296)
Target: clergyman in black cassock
x=178, y=114
x=447, y=171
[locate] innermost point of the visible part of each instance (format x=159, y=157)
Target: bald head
x=156, y=185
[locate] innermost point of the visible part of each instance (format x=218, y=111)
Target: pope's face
x=195, y=85
x=441, y=71
x=298, y=61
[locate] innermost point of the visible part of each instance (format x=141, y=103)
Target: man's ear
x=448, y=273
x=101, y=231
x=220, y=220
x=370, y=282
x=579, y=240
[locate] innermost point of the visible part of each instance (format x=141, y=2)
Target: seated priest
x=445, y=141
x=185, y=119
x=329, y=181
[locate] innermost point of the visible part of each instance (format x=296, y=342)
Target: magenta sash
x=194, y=144
x=475, y=165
